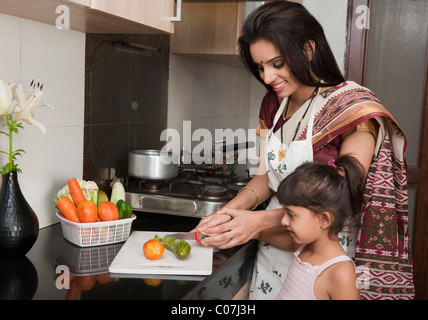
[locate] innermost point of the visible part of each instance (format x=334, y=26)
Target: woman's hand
x=214, y=219
x=206, y=224
x=229, y=227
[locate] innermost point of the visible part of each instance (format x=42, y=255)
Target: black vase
x=19, y=226
x=18, y=279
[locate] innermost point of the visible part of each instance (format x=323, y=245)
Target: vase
x=18, y=279
x=19, y=226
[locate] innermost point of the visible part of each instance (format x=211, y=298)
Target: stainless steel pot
x=152, y=164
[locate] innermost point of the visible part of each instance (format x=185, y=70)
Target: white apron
x=272, y=264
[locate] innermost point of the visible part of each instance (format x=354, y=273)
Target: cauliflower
x=89, y=189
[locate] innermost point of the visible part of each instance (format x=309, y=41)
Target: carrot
x=68, y=209
x=76, y=191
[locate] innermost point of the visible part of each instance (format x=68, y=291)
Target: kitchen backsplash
x=126, y=100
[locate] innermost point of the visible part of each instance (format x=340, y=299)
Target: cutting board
x=131, y=259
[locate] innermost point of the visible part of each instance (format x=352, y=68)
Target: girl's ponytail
x=354, y=173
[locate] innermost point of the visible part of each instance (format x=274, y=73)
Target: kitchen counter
x=38, y=276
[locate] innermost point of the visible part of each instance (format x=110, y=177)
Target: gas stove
x=197, y=191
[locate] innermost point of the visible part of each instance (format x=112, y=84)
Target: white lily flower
x=14, y=98
x=7, y=103
x=27, y=102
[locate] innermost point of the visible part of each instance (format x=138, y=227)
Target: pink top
x=299, y=283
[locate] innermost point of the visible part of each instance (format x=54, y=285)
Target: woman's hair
x=321, y=187
x=289, y=26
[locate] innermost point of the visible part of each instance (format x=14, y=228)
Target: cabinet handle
x=178, y=16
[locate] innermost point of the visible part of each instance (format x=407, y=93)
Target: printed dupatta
x=383, y=256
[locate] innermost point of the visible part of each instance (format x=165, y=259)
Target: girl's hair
x=320, y=187
x=289, y=26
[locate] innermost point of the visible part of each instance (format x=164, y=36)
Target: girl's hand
x=228, y=227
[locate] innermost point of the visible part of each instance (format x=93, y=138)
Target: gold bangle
x=254, y=192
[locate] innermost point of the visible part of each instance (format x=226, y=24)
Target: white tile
x=204, y=78
x=202, y=130
x=258, y=91
x=229, y=122
x=174, y=135
x=10, y=54
x=232, y=92
x=224, y=93
x=46, y=166
x=181, y=88
x=241, y=84
x=56, y=58
x=332, y=16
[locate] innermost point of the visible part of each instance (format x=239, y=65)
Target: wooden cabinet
x=99, y=16
x=154, y=14
x=210, y=30
x=86, y=3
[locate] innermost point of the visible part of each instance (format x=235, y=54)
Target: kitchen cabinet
x=210, y=30
x=99, y=16
x=86, y=3
x=155, y=14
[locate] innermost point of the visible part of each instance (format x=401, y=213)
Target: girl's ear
x=309, y=49
x=326, y=219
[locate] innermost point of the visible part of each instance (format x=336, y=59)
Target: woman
x=310, y=113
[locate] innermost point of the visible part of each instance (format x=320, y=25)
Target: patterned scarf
x=383, y=258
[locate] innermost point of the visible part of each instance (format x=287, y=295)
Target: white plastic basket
x=96, y=233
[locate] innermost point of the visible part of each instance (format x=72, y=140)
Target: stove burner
x=188, y=175
x=214, y=192
x=151, y=184
x=240, y=181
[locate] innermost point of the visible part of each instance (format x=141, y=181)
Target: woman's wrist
x=254, y=193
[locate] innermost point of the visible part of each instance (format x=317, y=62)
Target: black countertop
x=38, y=276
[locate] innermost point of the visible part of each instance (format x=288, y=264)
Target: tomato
x=153, y=249
x=152, y=282
x=87, y=211
x=104, y=278
x=108, y=211
x=199, y=236
x=86, y=282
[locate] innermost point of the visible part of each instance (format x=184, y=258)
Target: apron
x=281, y=159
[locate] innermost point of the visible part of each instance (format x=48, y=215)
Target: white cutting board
x=131, y=258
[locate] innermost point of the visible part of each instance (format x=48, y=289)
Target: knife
x=188, y=236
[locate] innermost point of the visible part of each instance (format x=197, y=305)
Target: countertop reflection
x=56, y=269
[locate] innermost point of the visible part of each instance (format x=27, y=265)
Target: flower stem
x=10, y=139
x=13, y=126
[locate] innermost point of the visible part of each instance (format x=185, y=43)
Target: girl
x=319, y=200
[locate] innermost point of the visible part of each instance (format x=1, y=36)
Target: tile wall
x=31, y=50
x=211, y=96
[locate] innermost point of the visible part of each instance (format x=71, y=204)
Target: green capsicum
x=125, y=210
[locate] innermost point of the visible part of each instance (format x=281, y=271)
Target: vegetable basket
x=96, y=233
